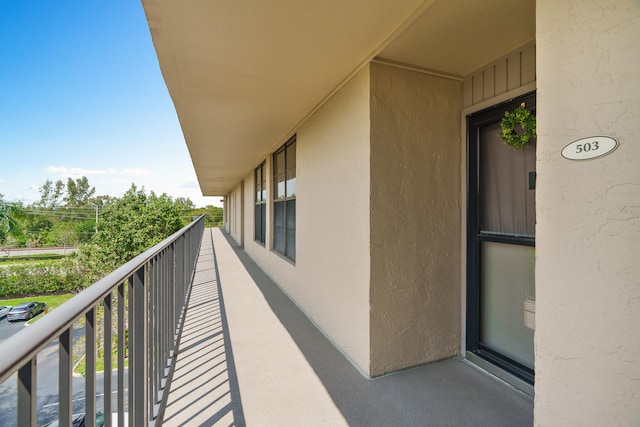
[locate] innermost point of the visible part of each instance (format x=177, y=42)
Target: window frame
x=260, y=204
x=286, y=198
x=476, y=236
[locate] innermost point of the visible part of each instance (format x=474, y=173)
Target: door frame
x=475, y=350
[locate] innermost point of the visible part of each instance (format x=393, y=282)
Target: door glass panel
x=507, y=203
x=507, y=300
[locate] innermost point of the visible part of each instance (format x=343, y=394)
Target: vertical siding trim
x=512, y=71
x=467, y=92
x=489, y=82
x=478, y=86
x=528, y=65
x=501, y=77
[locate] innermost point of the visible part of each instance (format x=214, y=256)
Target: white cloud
x=189, y=184
x=136, y=172
x=75, y=173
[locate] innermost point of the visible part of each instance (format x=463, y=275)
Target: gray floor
x=248, y=356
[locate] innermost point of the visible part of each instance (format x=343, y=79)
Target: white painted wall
x=330, y=278
x=587, y=339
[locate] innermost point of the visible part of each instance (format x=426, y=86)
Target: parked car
x=4, y=309
x=25, y=311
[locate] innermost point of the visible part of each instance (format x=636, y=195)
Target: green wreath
x=526, y=120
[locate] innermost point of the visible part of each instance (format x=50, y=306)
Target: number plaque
x=589, y=148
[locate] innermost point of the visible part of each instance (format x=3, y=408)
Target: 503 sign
x=589, y=148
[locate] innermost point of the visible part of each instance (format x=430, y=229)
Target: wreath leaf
x=523, y=117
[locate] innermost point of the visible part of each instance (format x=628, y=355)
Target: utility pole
x=96, y=206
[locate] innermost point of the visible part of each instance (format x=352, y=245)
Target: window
x=284, y=200
x=260, y=204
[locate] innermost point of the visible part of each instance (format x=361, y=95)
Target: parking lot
x=9, y=328
x=47, y=382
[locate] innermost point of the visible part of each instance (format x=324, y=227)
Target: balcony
x=244, y=354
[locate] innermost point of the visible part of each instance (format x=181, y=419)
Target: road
x=7, y=252
x=47, y=383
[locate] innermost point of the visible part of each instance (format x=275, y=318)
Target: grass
x=37, y=263
x=30, y=258
x=81, y=367
x=52, y=301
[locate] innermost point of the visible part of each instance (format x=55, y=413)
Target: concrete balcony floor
x=248, y=356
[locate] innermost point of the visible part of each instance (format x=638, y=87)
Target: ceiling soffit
x=243, y=76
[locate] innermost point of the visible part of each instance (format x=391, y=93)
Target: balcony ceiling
x=243, y=76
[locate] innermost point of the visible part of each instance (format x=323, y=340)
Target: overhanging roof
x=243, y=75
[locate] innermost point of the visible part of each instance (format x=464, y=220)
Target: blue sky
x=81, y=94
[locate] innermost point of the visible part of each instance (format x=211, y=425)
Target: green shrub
x=37, y=279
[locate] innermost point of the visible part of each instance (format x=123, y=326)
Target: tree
x=70, y=208
x=9, y=226
x=63, y=234
x=134, y=223
x=213, y=215
x=184, y=203
x=50, y=194
x=78, y=192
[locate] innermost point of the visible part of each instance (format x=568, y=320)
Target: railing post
x=153, y=365
x=108, y=354
x=131, y=330
x=90, y=369
x=162, y=332
x=163, y=308
x=171, y=299
x=121, y=350
x=27, y=394
x=179, y=280
x=65, y=367
x=151, y=327
x=138, y=357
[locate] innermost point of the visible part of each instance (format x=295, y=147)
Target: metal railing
x=155, y=286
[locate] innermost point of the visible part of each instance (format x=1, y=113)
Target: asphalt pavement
x=47, y=383
x=9, y=328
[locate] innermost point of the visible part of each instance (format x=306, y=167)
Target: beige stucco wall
x=330, y=278
x=587, y=341
x=254, y=249
x=415, y=218
x=233, y=208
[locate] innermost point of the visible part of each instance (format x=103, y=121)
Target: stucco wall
x=587, y=341
x=233, y=207
x=257, y=251
x=415, y=218
x=333, y=211
x=330, y=278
